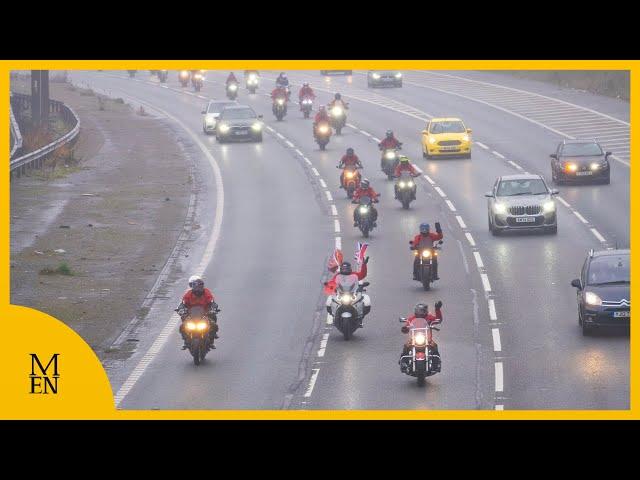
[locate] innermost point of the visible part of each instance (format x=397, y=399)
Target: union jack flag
x=359, y=254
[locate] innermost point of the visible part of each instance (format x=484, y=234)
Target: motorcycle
x=322, y=134
x=199, y=338
x=232, y=90
x=184, y=76
x=405, y=189
x=419, y=362
x=338, y=117
x=350, y=180
x=132, y=73
x=163, y=75
x=306, y=105
x=349, y=304
x=252, y=82
x=389, y=161
x=426, y=257
x=280, y=108
x=364, y=217
x=197, y=81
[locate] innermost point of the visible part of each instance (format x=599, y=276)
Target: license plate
x=581, y=174
x=241, y=132
x=621, y=314
x=525, y=220
x=444, y=149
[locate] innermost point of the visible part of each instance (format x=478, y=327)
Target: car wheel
x=494, y=231
x=259, y=139
x=607, y=180
x=219, y=139
x=468, y=156
x=586, y=331
x=553, y=230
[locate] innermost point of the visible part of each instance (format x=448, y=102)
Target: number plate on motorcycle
x=525, y=219
x=621, y=314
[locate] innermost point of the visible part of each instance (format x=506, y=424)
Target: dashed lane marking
x=334, y=210
x=312, y=382
x=580, y=217
x=451, y=207
x=470, y=239
x=492, y=310
x=478, y=259
x=461, y=222
x=497, y=346
x=485, y=282
x=497, y=154
x=328, y=194
x=499, y=378
x=597, y=235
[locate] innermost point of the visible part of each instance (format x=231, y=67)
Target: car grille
x=525, y=210
x=622, y=303
x=244, y=130
x=449, y=142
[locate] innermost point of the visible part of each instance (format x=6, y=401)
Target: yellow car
x=446, y=137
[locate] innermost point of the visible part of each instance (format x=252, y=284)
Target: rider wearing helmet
x=348, y=160
x=306, y=92
x=425, y=239
x=421, y=318
x=200, y=296
x=231, y=79
x=389, y=142
x=337, y=100
x=345, y=269
x=404, y=165
x=282, y=80
x=365, y=189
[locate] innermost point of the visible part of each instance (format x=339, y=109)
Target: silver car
x=521, y=202
x=211, y=113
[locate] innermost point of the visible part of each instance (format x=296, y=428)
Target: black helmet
x=305, y=84
x=421, y=310
x=424, y=228
x=365, y=183
x=389, y=134
x=345, y=268
x=338, y=96
x=350, y=151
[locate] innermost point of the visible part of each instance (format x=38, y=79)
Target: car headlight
x=224, y=128
x=390, y=155
x=200, y=326
x=398, y=75
x=465, y=138
x=499, y=208
x=210, y=119
x=426, y=253
x=191, y=326
x=376, y=76
x=420, y=338
x=256, y=127
x=570, y=167
x=402, y=184
x=592, y=299
x=336, y=111
x=364, y=209
x=595, y=166
x=432, y=140
x=549, y=206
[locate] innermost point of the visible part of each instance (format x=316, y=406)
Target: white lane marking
x=485, y=282
x=336, y=226
x=324, y=185
x=351, y=125
x=497, y=346
x=429, y=179
x=497, y=154
x=597, y=235
x=323, y=345
x=334, y=210
x=164, y=86
x=308, y=161
x=299, y=153
x=451, y=207
x=315, y=172
x=499, y=407
x=461, y=222
x=499, y=379
x=482, y=145
x=339, y=243
x=206, y=258
x=440, y=192
x=580, y=217
x=492, y=310
x=564, y=202
x=280, y=135
x=470, y=238
x=312, y=382
x=514, y=164
x=328, y=194
x=269, y=128
x=289, y=143
x=365, y=133
x=478, y=259
x=329, y=319
x=376, y=139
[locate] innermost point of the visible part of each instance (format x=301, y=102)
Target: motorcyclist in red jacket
x=306, y=92
x=425, y=239
x=365, y=189
x=389, y=142
x=421, y=318
x=345, y=269
x=405, y=166
x=321, y=116
x=231, y=79
x=348, y=160
x=198, y=296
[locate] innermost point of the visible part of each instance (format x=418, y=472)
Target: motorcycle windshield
x=346, y=283
x=365, y=200
x=198, y=311
x=405, y=176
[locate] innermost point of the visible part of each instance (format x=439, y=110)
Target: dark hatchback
x=580, y=161
x=604, y=290
x=239, y=122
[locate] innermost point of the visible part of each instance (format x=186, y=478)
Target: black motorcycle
x=364, y=214
x=232, y=90
x=389, y=162
x=252, y=82
x=426, y=257
x=163, y=75
x=306, y=105
x=132, y=73
x=199, y=337
x=338, y=117
x=322, y=134
x=184, y=76
x=421, y=360
x=279, y=108
x=405, y=189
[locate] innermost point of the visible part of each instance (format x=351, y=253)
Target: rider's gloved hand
x=404, y=329
x=438, y=227
x=438, y=305
x=366, y=260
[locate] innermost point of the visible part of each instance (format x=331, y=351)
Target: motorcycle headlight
x=420, y=338
x=409, y=183
x=323, y=129
x=595, y=166
x=256, y=127
x=389, y=155
x=549, y=206
x=224, y=128
x=184, y=74
x=280, y=101
x=426, y=253
x=499, y=208
x=233, y=87
x=398, y=75
x=346, y=298
x=402, y=184
x=570, y=167
x=190, y=326
x=200, y=326
x=592, y=299
x=349, y=174
x=364, y=209
x=465, y=138
x=376, y=76
x=432, y=140
x=336, y=111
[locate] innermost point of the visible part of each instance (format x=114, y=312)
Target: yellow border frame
x=632, y=65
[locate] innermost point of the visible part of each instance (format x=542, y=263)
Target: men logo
x=44, y=382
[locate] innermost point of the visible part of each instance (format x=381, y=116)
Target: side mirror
x=402, y=319
x=440, y=242
x=203, y=112
x=553, y=155
x=410, y=242
x=489, y=194
x=468, y=130
x=425, y=132
x=260, y=116
x=555, y=191
x=607, y=154
x=364, y=284
x=576, y=283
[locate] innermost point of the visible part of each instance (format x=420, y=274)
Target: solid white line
x=481, y=145
x=597, y=235
x=334, y=211
x=324, y=185
x=514, y=164
x=499, y=379
x=497, y=154
x=336, y=226
x=492, y=310
x=312, y=382
x=499, y=407
x=339, y=243
x=461, y=222
x=478, y=259
x=429, y=179
x=440, y=192
x=289, y=143
x=564, y=202
x=580, y=217
x=315, y=172
x=451, y=207
x=485, y=282
x=470, y=238
x=328, y=194
x=497, y=346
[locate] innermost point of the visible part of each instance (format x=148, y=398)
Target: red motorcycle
x=350, y=180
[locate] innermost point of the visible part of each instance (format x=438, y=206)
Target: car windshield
x=508, y=188
x=217, y=107
x=581, y=149
x=447, y=127
x=237, y=113
x=609, y=269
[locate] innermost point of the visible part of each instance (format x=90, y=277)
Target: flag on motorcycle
x=360, y=253
x=335, y=261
